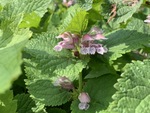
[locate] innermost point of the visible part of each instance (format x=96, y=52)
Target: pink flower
x=66, y=36
x=96, y=33
x=88, y=37
x=69, y=41
x=88, y=46
x=100, y=49
x=84, y=97
x=64, y=82
x=58, y=48
x=98, y=37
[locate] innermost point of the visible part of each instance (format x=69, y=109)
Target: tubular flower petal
x=147, y=21
x=96, y=33
x=95, y=30
x=69, y=41
x=66, y=45
x=92, y=48
x=66, y=36
x=84, y=97
x=83, y=106
x=101, y=50
x=75, y=38
x=88, y=45
x=84, y=50
x=99, y=37
x=87, y=37
x=58, y=48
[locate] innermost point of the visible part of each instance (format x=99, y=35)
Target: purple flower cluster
x=64, y=82
x=84, y=99
x=87, y=45
x=148, y=19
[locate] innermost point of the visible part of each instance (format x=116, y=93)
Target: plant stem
x=80, y=82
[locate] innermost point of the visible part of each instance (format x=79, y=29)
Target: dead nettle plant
x=74, y=56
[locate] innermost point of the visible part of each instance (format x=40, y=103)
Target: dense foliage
x=74, y=56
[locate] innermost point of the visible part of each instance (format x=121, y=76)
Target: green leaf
x=11, y=59
x=98, y=69
x=30, y=20
x=63, y=65
x=24, y=103
x=7, y=104
x=146, y=10
x=78, y=22
x=100, y=91
x=53, y=23
x=26, y=6
x=32, y=73
x=133, y=92
x=138, y=25
x=75, y=20
x=56, y=110
x=13, y=12
x=85, y=4
x=122, y=61
x=40, y=107
x=126, y=12
x=124, y=41
x=4, y=2
x=51, y=62
x=46, y=93
x=6, y=36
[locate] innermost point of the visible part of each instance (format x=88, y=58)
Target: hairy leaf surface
x=24, y=103
x=75, y=20
x=124, y=12
x=138, y=25
x=124, y=41
x=133, y=92
x=45, y=92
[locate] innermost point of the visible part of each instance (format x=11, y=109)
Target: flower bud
x=84, y=97
x=64, y=82
x=87, y=37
